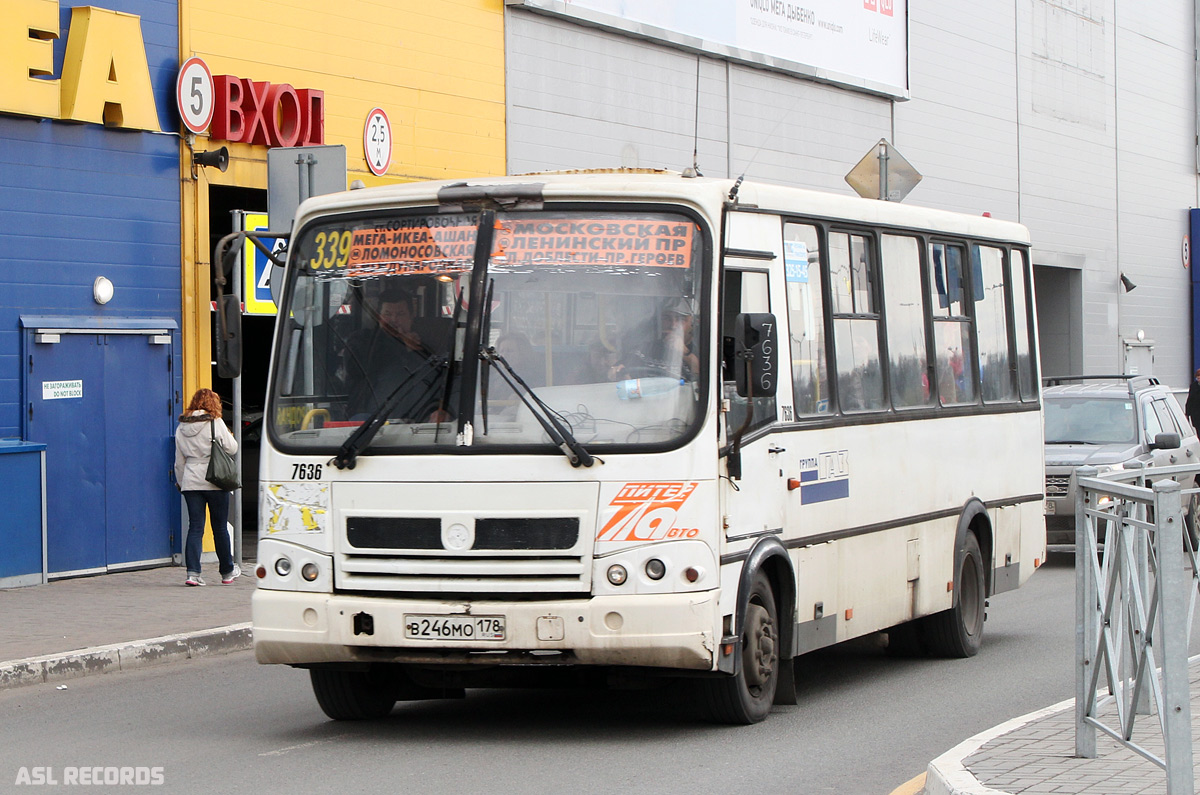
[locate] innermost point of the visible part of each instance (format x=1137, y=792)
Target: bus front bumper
x=659, y=630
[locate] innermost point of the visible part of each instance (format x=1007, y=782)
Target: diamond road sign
x=898, y=175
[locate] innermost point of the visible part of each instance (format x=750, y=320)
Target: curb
x=124, y=656
x=947, y=775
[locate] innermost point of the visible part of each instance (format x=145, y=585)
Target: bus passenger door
x=752, y=504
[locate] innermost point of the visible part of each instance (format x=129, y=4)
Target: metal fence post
x=1177, y=710
x=1141, y=562
x=1086, y=616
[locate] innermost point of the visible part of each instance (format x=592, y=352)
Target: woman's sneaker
x=193, y=579
x=227, y=579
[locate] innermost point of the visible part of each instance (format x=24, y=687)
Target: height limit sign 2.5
x=377, y=142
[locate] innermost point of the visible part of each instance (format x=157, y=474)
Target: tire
x=958, y=632
x=746, y=697
x=353, y=695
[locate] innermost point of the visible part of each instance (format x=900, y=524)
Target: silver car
x=1107, y=422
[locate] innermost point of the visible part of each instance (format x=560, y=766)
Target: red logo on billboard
x=886, y=7
x=647, y=512
x=870, y=5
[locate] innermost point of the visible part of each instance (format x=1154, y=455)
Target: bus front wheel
x=958, y=632
x=353, y=695
x=746, y=697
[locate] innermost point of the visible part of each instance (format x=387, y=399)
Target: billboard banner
x=858, y=43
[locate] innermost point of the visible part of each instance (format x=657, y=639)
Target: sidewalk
x=1034, y=755
x=111, y=622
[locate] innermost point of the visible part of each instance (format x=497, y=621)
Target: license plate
x=1049, y=507
x=421, y=627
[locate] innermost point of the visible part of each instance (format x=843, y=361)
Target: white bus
x=597, y=423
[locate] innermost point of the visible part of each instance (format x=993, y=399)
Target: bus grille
x=484, y=555
x=1056, y=485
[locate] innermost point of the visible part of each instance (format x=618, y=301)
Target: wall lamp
x=102, y=290
x=1127, y=284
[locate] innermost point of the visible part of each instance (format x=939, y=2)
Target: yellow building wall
x=436, y=67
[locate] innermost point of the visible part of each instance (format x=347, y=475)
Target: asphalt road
x=866, y=723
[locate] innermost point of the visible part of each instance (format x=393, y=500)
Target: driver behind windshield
x=664, y=345
x=378, y=360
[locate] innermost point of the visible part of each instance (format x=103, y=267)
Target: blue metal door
x=64, y=405
x=102, y=405
x=141, y=504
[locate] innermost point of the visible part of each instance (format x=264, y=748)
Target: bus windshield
x=597, y=312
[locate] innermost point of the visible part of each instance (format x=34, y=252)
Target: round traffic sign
x=194, y=94
x=377, y=142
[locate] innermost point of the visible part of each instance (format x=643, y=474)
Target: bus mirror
x=229, y=336
x=756, y=354
x=304, y=306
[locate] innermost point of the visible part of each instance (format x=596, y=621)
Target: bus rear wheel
x=746, y=697
x=958, y=632
x=353, y=695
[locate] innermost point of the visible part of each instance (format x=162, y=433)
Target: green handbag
x=222, y=469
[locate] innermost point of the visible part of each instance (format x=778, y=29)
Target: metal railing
x=1134, y=605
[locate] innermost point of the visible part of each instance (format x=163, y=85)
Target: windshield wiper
x=485, y=233
x=357, y=442
x=559, y=434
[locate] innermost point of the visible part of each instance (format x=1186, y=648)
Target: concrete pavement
x=113, y=622
x=1034, y=755
x=116, y=622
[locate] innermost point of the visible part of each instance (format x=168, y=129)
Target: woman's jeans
x=218, y=513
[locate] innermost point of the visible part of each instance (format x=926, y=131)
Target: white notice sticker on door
x=57, y=390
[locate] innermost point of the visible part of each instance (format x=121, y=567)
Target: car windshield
x=1090, y=420
x=596, y=311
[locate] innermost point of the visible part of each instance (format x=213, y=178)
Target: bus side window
x=954, y=351
x=1025, y=360
x=744, y=291
x=991, y=325
x=806, y=319
x=908, y=348
x=854, y=300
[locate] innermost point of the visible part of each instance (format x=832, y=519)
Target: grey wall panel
x=1076, y=119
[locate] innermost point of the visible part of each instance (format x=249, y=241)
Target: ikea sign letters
x=105, y=78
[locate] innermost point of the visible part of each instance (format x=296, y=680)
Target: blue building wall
x=79, y=201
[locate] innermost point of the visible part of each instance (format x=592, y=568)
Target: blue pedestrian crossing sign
x=256, y=271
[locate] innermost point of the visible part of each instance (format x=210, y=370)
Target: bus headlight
x=655, y=569
x=617, y=574
x=283, y=567
x=309, y=571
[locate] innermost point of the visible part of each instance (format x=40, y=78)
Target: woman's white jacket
x=193, y=444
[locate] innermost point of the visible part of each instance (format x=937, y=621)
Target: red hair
x=205, y=400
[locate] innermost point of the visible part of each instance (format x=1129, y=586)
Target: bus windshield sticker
x=825, y=477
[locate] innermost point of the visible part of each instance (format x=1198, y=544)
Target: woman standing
x=198, y=427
